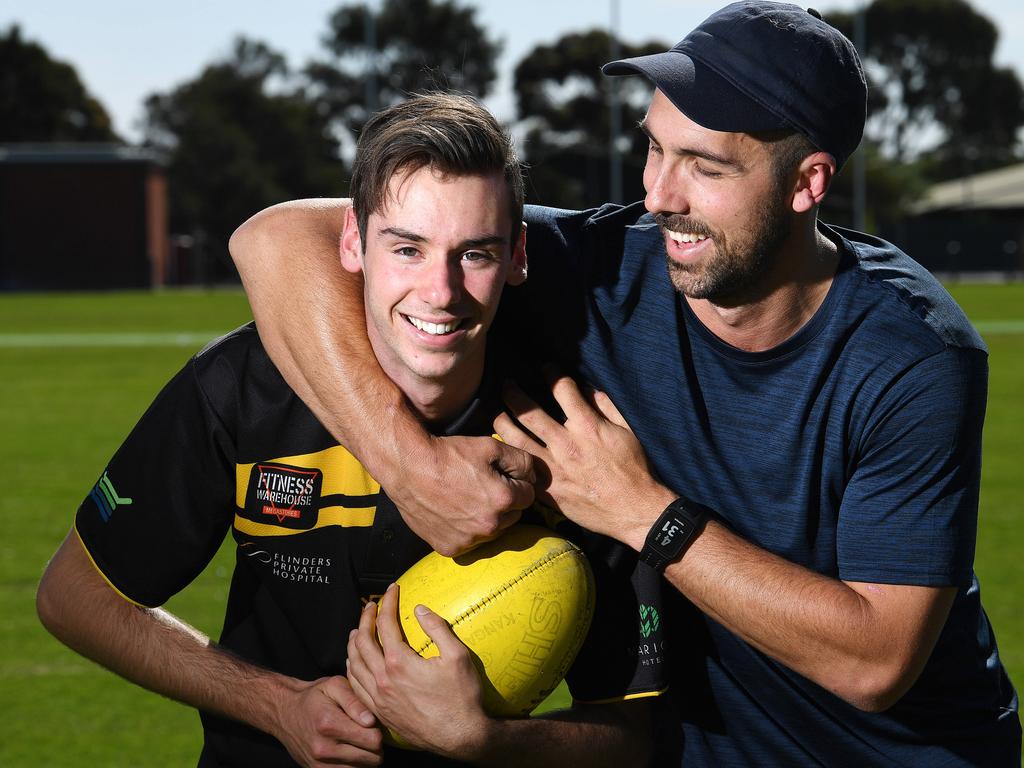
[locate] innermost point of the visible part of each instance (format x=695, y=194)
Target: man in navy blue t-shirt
x=809, y=402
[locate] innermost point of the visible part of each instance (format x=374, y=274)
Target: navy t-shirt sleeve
x=909, y=512
x=160, y=509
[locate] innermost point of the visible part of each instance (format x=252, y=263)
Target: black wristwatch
x=672, y=533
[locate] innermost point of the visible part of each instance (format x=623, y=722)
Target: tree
x=934, y=88
x=238, y=138
x=42, y=99
x=563, y=100
x=380, y=58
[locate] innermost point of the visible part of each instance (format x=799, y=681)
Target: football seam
x=481, y=604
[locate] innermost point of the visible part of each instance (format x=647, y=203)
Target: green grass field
x=78, y=370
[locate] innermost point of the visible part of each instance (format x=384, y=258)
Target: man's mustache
x=680, y=223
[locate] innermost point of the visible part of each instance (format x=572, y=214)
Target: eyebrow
x=474, y=242
x=405, y=234
x=701, y=152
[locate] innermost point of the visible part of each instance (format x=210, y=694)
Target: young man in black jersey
x=436, y=232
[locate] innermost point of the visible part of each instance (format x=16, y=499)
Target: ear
x=517, y=269
x=815, y=177
x=351, y=244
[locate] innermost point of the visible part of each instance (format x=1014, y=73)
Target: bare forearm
x=599, y=735
x=865, y=642
x=317, y=721
x=797, y=616
x=310, y=316
x=150, y=647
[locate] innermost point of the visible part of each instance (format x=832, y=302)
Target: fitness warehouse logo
x=283, y=495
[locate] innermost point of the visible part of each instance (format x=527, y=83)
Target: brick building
x=81, y=217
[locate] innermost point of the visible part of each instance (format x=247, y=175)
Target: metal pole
x=614, y=112
x=859, y=159
x=370, y=38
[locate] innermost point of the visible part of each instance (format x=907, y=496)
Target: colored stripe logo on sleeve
x=106, y=498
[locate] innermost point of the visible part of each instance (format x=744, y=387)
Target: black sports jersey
x=227, y=445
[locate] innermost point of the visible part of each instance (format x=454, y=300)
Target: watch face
x=674, y=531
x=671, y=533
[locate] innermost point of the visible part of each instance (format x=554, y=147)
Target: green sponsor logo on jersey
x=649, y=620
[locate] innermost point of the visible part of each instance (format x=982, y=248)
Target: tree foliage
x=934, y=87
x=42, y=99
x=378, y=58
x=237, y=139
x=563, y=99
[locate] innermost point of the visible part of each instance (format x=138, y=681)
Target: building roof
x=999, y=189
x=48, y=154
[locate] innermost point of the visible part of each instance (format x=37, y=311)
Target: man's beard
x=732, y=273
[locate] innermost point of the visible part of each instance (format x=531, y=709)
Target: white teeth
x=434, y=329
x=685, y=237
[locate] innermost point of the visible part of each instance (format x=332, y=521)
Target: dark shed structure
x=970, y=225
x=81, y=217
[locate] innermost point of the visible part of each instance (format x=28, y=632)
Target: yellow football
x=521, y=603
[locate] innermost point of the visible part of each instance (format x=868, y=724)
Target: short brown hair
x=451, y=133
x=788, y=149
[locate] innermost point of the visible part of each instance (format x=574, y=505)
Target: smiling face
x=435, y=260
x=722, y=206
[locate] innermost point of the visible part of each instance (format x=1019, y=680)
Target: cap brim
x=699, y=92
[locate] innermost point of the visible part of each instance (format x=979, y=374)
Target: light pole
x=370, y=39
x=859, y=159
x=614, y=112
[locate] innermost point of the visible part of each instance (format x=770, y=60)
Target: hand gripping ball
x=521, y=603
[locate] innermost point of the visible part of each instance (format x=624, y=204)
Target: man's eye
x=708, y=172
x=407, y=252
x=476, y=256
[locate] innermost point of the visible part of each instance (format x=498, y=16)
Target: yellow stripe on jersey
x=346, y=517
x=342, y=475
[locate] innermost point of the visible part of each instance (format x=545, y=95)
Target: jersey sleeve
x=909, y=513
x=622, y=655
x=162, y=506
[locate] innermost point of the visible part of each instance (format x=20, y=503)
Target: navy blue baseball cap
x=761, y=66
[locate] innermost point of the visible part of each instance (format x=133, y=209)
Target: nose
x=440, y=283
x=665, y=193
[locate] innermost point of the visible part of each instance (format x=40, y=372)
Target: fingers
x=333, y=727
x=607, y=408
x=389, y=630
x=516, y=466
x=513, y=462
x=339, y=690
x=568, y=397
x=532, y=417
x=364, y=657
x=517, y=437
x=438, y=630
x=354, y=672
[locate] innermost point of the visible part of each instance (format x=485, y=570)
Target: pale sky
x=124, y=50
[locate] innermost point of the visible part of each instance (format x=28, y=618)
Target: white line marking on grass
x=44, y=340
x=10, y=672
x=996, y=327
